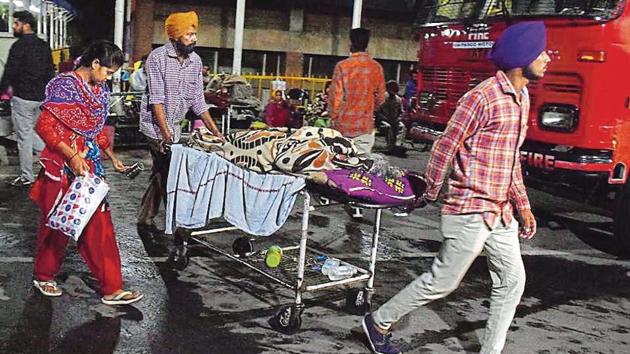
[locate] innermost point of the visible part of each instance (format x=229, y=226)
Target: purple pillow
x=361, y=185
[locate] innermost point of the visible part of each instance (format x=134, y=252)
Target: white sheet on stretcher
x=203, y=186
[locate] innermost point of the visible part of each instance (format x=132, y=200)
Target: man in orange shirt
x=358, y=88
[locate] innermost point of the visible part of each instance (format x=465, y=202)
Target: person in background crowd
x=205, y=71
x=124, y=79
x=65, y=63
x=71, y=124
x=410, y=87
x=296, y=118
x=175, y=86
x=138, y=79
x=479, y=153
x=317, y=110
x=357, y=90
x=277, y=111
x=29, y=68
x=390, y=111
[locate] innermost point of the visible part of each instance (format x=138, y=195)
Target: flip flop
x=41, y=285
x=120, y=298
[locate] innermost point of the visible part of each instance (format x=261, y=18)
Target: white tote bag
x=78, y=205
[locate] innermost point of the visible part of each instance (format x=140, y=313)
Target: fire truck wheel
x=622, y=222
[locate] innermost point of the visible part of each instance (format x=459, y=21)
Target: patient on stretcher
x=323, y=156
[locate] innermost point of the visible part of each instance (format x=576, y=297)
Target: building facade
x=292, y=38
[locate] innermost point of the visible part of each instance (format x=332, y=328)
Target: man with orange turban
x=174, y=87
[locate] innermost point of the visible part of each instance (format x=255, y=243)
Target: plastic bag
x=78, y=205
x=278, y=84
x=382, y=167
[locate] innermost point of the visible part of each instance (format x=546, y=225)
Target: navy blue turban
x=519, y=45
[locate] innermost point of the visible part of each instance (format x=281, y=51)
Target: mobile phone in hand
x=134, y=170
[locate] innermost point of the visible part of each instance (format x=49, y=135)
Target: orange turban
x=178, y=23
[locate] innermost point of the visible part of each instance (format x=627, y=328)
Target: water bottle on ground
x=329, y=265
x=335, y=271
x=342, y=272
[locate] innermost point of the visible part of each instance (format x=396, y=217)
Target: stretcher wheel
x=357, y=301
x=178, y=258
x=242, y=246
x=287, y=319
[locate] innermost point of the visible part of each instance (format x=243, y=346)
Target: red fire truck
x=578, y=141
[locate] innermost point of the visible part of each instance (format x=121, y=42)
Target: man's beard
x=529, y=74
x=17, y=34
x=184, y=49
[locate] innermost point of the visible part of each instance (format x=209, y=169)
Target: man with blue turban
x=486, y=193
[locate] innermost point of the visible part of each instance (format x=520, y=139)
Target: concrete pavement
x=576, y=299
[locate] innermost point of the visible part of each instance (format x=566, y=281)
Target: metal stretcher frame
x=288, y=318
x=226, y=118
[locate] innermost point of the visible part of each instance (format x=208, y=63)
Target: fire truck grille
x=445, y=86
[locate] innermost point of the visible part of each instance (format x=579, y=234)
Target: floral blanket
x=302, y=151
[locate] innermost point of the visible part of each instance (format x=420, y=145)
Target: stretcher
x=298, y=268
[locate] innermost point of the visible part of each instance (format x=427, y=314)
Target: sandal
x=123, y=298
x=45, y=288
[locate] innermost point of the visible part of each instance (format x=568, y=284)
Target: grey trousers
x=24, y=115
x=465, y=236
x=364, y=143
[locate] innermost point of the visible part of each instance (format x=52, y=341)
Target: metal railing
x=264, y=82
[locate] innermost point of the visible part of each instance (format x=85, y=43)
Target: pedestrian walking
x=29, y=68
x=174, y=86
x=357, y=90
x=481, y=145
x=71, y=125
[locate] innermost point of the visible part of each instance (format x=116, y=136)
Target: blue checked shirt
x=178, y=86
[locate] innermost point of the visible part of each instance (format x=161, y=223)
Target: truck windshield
x=436, y=11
